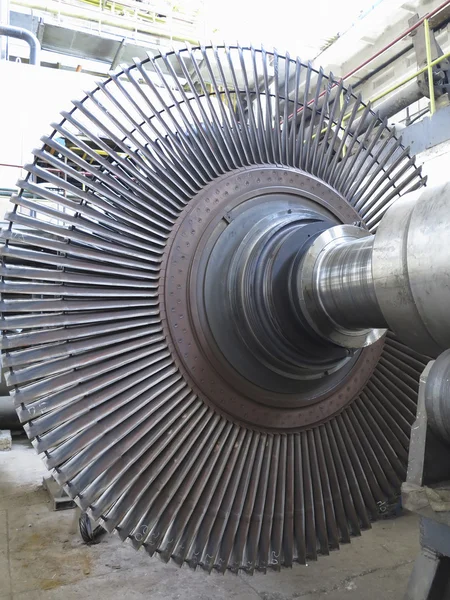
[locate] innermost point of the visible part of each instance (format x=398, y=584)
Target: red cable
x=6, y=165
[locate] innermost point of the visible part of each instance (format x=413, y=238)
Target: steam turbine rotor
x=178, y=339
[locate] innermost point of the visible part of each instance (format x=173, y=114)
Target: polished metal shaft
x=345, y=285
x=353, y=284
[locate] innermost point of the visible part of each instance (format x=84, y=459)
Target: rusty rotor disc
x=185, y=322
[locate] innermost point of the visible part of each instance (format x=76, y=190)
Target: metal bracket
x=429, y=579
x=58, y=497
x=427, y=493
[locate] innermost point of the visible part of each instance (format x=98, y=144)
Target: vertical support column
x=429, y=67
x=423, y=576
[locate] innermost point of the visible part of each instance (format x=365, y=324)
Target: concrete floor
x=40, y=559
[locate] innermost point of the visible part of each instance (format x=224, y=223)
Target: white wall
x=30, y=99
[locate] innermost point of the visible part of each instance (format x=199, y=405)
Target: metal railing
x=427, y=68
x=132, y=19
x=425, y=20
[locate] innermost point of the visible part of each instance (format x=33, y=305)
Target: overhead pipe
x=392, y=104
x=28, y=37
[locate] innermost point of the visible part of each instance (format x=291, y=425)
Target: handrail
x=92, y=14
x=428, y=67
x=397, y=39
x=377, y=54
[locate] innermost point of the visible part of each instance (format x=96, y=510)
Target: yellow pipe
x=396, y=86
x=341, y=104
x=426, y=26
x=96, y=150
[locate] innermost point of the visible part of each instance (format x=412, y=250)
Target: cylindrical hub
x=345, y=285
x=352, y=285
x=335, y=287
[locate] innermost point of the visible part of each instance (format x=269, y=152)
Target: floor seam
x=63, y=585
x=87, y=578
x=251, y=587
x=350, y=578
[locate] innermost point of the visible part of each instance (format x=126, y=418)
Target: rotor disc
x=111, y=398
